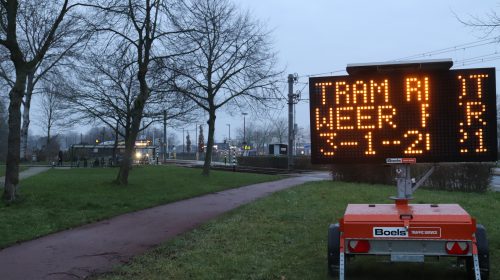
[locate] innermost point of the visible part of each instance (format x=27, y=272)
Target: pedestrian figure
x=60, y=158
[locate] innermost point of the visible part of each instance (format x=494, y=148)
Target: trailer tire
x=334, y=250
x=483, y=254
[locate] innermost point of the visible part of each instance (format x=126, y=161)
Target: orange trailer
x=408, y=232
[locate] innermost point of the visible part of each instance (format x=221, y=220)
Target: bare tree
x=140, y=32
x=258, y=135
x=11, y=39
x=3, y=130
x=33, y=24
x=233, y=63
x=262, y=136
x=279, y=129
x=51, y=110
x=6, y=73
x=188, y=143
x=105, y=87
x=486, y=25
x=72, y=36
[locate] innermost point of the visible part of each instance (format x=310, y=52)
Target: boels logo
x=401, y=232
x=390, y=232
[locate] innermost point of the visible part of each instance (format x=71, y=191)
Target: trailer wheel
x=334, y=250
x=483, y=254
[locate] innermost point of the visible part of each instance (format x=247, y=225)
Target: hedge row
x=467, y=177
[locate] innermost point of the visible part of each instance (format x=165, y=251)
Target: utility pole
x=165, y=141
x=291, y=80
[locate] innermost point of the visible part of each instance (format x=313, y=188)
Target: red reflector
x=457, y=248
x=359, y=246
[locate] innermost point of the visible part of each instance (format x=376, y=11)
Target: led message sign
x=432, y=115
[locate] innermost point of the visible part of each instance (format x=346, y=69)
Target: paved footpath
x=96, y=248
x=495, y=179
x=32, y=171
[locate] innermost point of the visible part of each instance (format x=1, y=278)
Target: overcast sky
x=324, y=35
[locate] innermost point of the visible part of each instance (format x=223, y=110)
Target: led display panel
x=430, y=115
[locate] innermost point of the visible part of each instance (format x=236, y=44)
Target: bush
x=466, y=177
x=363, y=173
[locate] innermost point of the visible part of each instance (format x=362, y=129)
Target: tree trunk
x=115, y=145
x=139, y=103
x=210, y=143
x=26, y=115
x=48, y=138
x=122, y=178
x=13, y=142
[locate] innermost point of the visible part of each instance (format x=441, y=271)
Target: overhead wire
x=460, y=47
x=465, y=46
x=474, y=44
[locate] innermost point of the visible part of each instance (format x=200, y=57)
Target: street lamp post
x=165, y=140
x=196, y=139
x=244, y=129
x=228, y=155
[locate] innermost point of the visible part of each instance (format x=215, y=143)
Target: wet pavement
x=495, y=179
x=96, y=248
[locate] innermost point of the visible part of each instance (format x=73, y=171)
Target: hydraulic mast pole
x=291, y=80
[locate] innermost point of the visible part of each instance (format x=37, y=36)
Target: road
x=495, y=179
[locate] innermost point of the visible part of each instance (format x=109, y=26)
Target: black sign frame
x=442, y=127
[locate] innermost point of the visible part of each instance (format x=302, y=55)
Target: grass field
x=61, y=199
x=284, y=237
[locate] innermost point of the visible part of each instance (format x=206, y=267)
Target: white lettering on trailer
x=382, y=232
x=425, y=232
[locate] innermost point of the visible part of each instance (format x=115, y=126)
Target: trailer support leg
x=477, y=271
x=342, y=267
